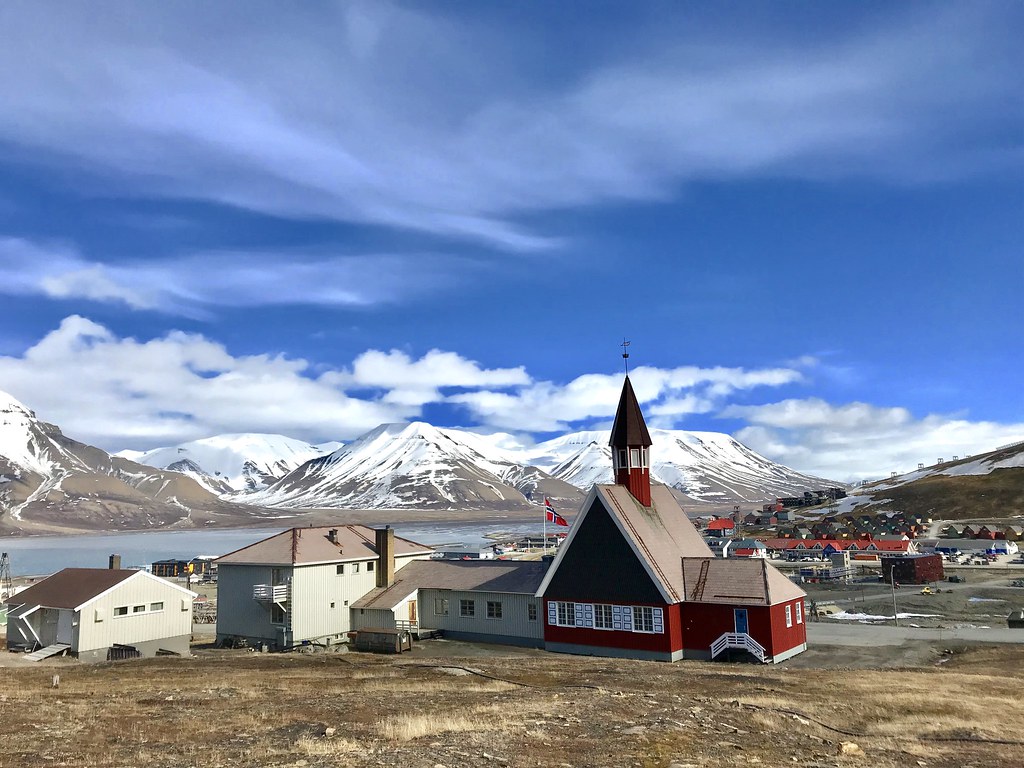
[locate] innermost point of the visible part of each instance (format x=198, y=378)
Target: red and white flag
x=553, y=517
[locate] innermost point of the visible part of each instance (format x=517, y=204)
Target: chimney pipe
x=332, y=535
x=385, y=556
x=114, y=563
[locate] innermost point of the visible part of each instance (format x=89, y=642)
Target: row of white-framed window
x=632, y=458
x=799, y=613
x=624, y=618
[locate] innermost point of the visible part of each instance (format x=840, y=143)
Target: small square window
x=467, y=608
x=369, y=566
x=440, y=606
x=121, y=610
x=138, y=609
x=340, y=569
x=156, y=606
x=355, y=567
x=493, y=609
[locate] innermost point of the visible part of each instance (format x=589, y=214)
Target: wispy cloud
x=402, y=118
x=857, y=441
x=193, y=284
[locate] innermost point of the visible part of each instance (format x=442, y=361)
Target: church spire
x=630, y=443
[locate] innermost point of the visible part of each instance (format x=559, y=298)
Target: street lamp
x=892, y=583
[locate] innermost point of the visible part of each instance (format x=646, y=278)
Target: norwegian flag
x=553, y=517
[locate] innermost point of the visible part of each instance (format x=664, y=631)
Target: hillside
x=50, y=482
x=988, y=485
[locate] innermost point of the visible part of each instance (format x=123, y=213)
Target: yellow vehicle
x=927, y=591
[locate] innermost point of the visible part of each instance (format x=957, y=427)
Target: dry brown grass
x=226, y=709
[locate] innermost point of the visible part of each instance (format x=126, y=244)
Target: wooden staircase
x=48, y=651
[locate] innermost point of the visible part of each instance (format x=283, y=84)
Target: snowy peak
x=403, y=465
x=51, y=479
x=233, y=462
x=420, y=465
x=704, y=466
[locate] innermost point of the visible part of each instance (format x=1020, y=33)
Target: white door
x=64, y=631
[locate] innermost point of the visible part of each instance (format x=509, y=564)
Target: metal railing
x=266, y=593
x=740, y=640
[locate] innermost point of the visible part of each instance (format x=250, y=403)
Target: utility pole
x=892, y=583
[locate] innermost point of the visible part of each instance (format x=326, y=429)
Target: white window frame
x=643, y=619
x=603, y=617
x=789, y=616
x=467, y=608
x=137, y=609
x=799, y=612
x=355, y=567
x=441, y=606
x=156, y=607
x=121, y=610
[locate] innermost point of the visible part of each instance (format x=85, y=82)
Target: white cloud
x=667, y=395
x=192, y=284
x=858, y=441
x=392, y=116
x=119, y=392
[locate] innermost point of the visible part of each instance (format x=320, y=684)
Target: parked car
x=957, y=579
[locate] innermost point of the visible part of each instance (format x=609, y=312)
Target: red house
x=634, y=579
x=721, y=526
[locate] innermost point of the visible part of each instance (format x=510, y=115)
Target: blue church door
x=741, y=620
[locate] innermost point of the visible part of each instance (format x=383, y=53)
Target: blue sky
x=807, y=218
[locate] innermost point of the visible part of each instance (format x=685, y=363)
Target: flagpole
x=545, y=525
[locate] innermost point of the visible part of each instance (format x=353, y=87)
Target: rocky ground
x=452, y=704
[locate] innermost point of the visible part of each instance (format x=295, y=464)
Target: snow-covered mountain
x=49, y=481
x=413, y=465
x=236, y=462
x=422, y=466
x=707, y=467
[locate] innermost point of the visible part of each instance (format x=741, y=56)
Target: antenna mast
x=625, y=355
x=6, y=589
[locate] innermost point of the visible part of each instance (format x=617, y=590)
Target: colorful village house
x=634, y=579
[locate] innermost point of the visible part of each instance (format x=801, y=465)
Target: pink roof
x=736, y=582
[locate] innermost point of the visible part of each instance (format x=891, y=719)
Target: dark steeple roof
x=629, y=428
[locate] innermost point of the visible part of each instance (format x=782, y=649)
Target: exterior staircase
x=741, y=641
x=47, y=652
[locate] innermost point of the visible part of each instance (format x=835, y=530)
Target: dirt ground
x=984, y=600
x=453, y=704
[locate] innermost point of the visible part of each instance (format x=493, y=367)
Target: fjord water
x=39, y=555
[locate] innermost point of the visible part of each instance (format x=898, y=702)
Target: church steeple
x=630, y=443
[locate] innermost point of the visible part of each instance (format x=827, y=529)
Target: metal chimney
x=332, y=535
x=114, y=563
x=385, y=556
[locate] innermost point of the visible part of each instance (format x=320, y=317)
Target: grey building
x=297, y=587
x=490, y=601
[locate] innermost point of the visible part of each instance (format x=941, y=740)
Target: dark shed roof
x=629, y=428
x=71, y=587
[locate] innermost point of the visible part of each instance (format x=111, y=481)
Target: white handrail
x=740, y=640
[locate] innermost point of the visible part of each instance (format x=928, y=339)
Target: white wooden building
x=96, y=613
x=297, y=587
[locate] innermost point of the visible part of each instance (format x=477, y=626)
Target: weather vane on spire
x=625, y=355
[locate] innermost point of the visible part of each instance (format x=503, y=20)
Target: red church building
x=634, y=578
